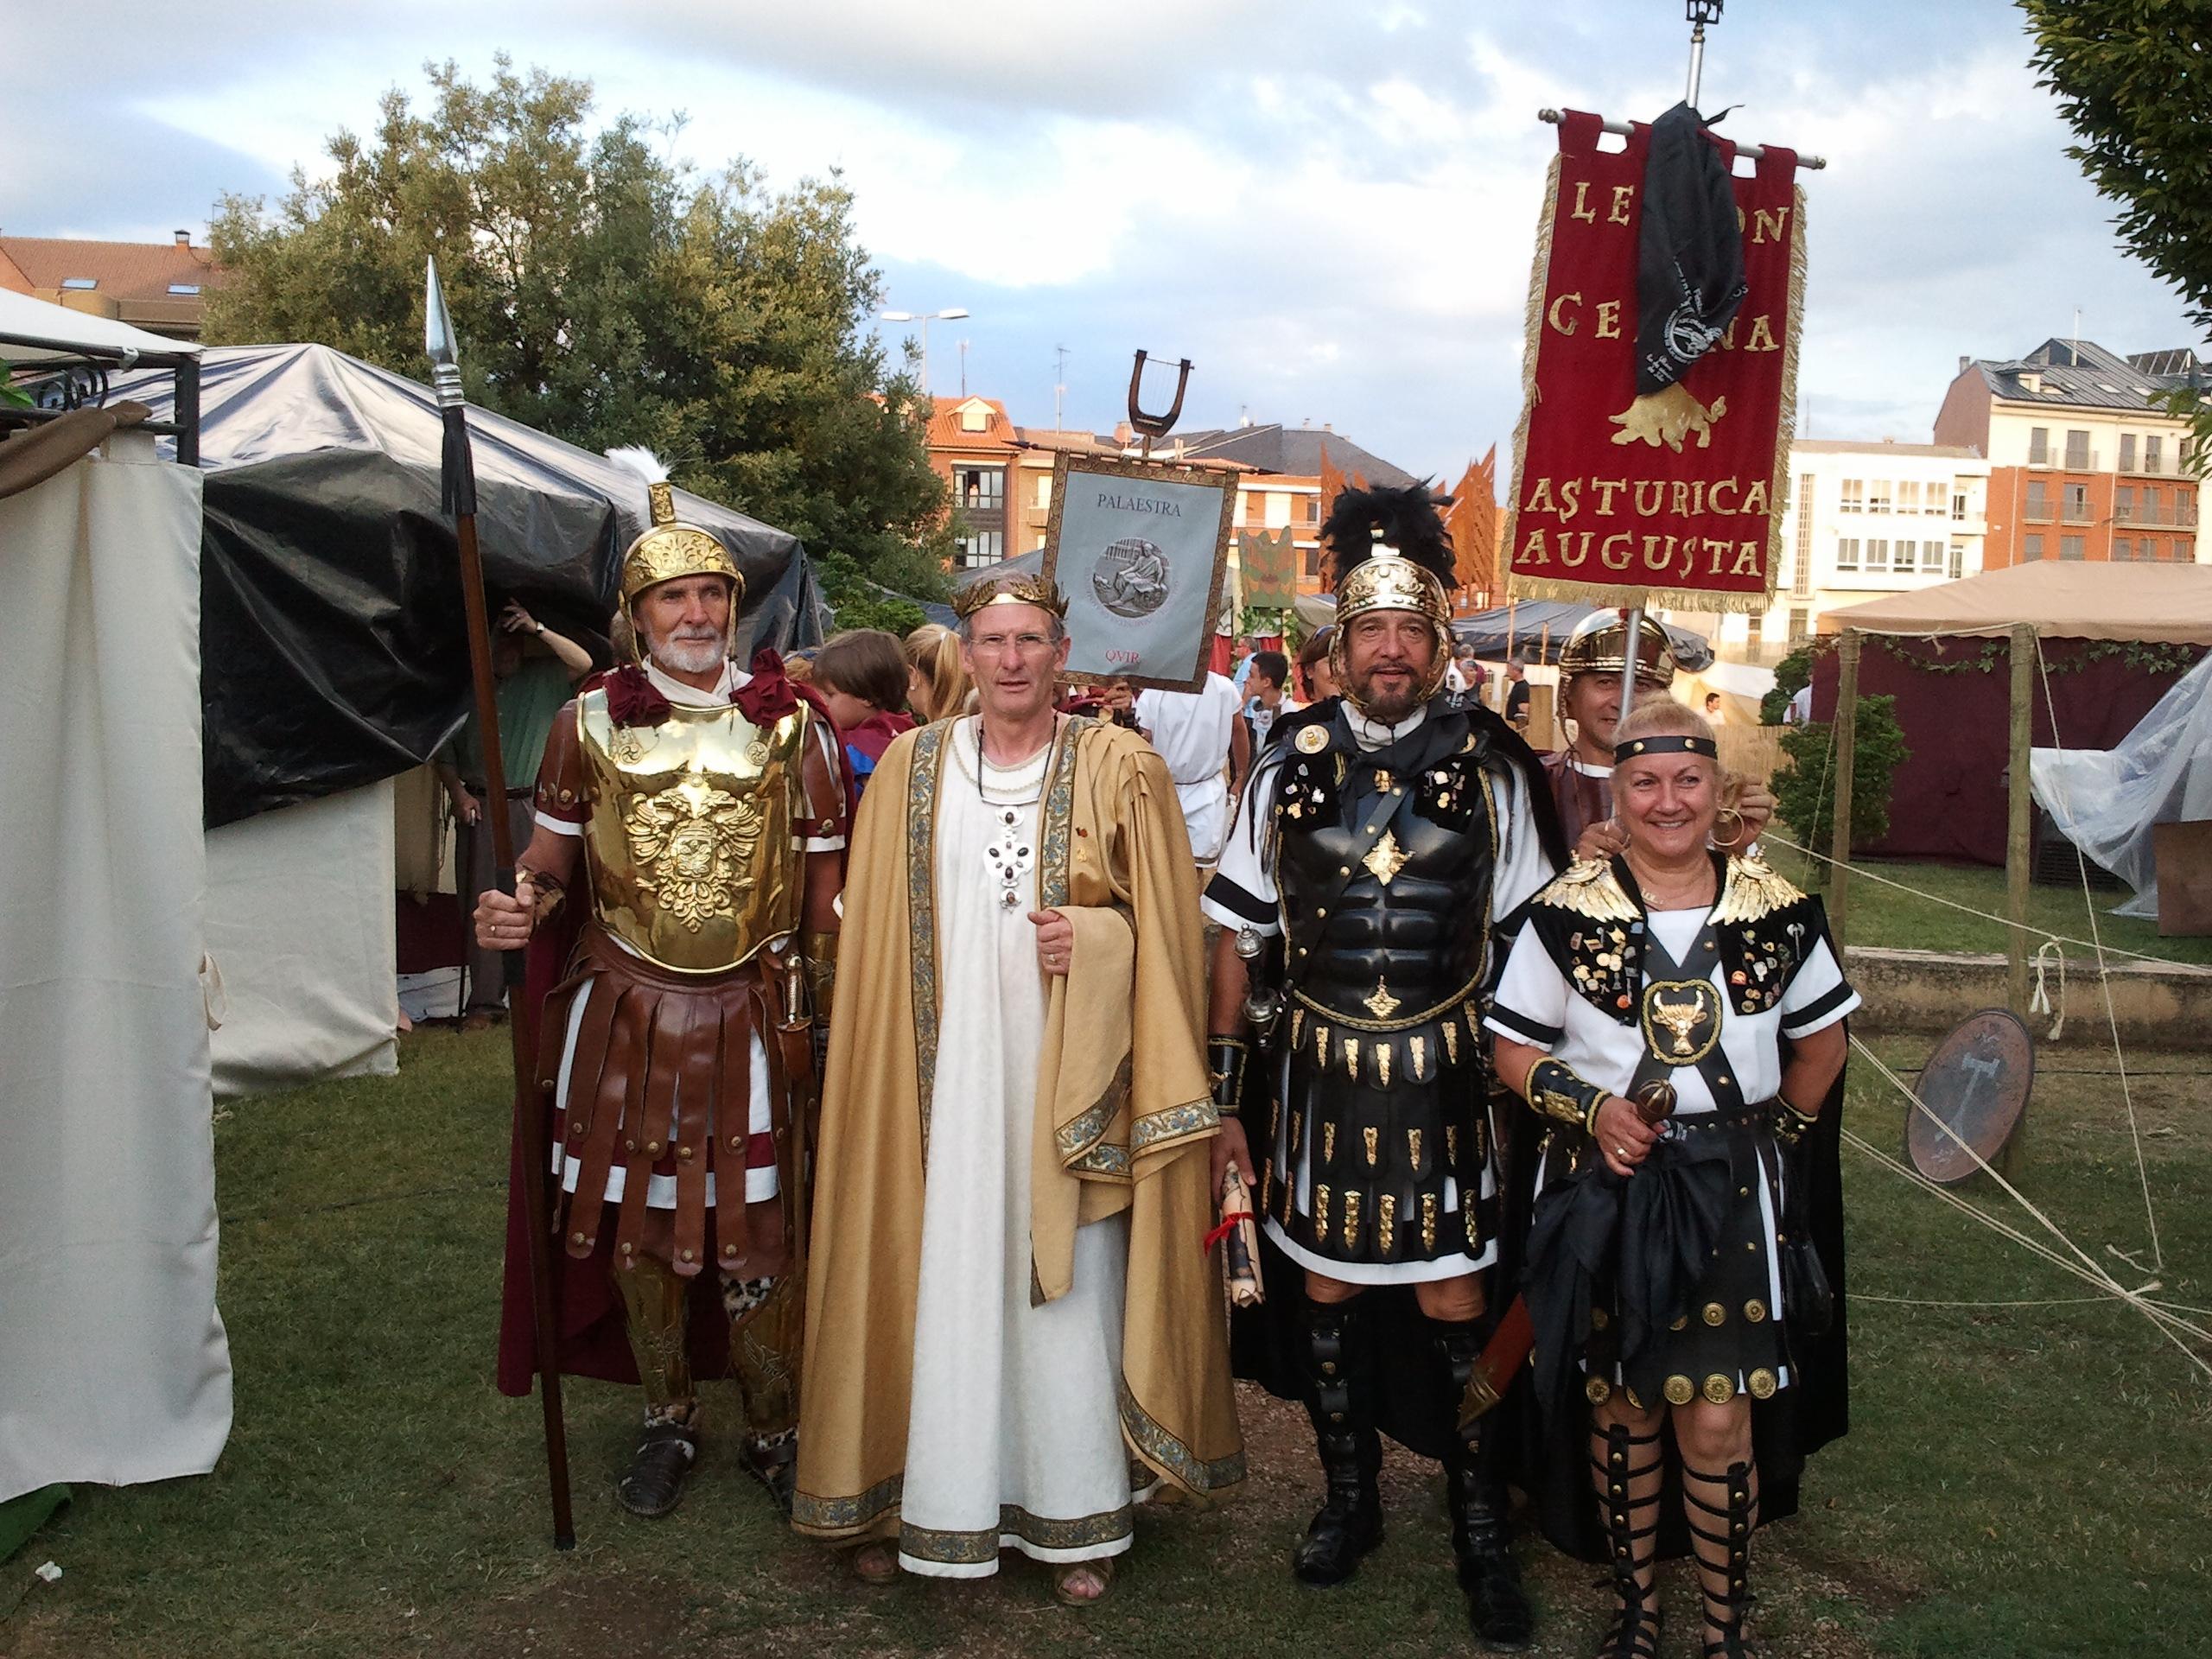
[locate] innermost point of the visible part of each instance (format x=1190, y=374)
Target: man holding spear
x=695, y=814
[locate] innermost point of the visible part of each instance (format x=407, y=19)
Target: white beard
x=687, y=656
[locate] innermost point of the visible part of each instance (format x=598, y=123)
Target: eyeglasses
x=998, y=644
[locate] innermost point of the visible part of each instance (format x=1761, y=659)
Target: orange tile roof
x=124, y=271
x=947, y=433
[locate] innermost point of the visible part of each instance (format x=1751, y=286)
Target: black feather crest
x=1408, y=520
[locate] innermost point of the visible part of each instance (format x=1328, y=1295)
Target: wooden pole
x=1846, y=749
x=2018, y=854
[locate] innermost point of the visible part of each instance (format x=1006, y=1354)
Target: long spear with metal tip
x=532, y=1131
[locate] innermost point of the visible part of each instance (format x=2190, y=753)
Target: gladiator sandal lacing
x=1628, y=1502
x=1724, y=1556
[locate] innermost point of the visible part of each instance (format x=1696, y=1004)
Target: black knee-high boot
x=1481, y=1539
x=1349, y=1521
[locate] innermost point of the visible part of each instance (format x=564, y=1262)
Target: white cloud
x=1331, y=208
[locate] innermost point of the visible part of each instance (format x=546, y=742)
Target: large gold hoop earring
x=1734, y=840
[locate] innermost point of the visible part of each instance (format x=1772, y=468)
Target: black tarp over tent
x=333, y=646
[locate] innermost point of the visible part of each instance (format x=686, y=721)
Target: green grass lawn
x=2019, y=1481
x=1882, y=915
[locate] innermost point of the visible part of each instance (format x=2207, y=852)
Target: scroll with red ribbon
x=1239, y=1238
x=1672, y=497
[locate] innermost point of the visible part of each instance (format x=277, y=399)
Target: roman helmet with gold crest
x=1600, y=645
x=1391, y=552
x=669, y=548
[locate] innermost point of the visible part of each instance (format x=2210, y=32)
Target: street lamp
x=924, y=318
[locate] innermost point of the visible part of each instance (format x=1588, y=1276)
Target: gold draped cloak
x=1124, y=1120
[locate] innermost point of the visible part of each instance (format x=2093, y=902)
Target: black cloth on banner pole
x=1689, y=251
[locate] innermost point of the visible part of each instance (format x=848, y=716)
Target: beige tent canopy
x=2159, y=604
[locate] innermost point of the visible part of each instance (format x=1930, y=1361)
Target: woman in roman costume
x=1676, y=1015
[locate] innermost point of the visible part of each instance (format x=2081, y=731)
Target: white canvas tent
x=297, y=904
x=114, y=1366
x=32, y=331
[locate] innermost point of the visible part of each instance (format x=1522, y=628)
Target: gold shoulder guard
x=1590, y=888
x=1753, y=890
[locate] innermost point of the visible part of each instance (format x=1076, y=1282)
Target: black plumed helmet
x=1408, y=521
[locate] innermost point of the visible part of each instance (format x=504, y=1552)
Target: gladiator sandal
x=653, y=1314
x=767, y=1333
x=1628, y=1494
x=1724, y=1557
x=653, y=1484
x=1349, y=1521
x=1474, y=1495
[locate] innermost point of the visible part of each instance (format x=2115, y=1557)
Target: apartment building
x=976, y=448
x=158, y=286
x=1863, y=519
x=2084, y=461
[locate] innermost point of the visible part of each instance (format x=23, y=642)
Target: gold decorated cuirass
x=689, y=836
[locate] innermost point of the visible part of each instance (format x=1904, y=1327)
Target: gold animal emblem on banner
x=1667, y=417
x=693, y=845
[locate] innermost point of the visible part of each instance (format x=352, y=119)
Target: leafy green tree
x=1791, y=675
x=608, y=295
x=858, y=602
x=1804, y=791
x=2129, y=79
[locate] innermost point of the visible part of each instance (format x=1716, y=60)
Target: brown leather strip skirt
x=660, y=1092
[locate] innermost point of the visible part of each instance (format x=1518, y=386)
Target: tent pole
x=1846, y=748
x=2018, y=856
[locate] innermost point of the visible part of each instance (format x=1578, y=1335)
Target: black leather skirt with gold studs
x=1723, y=1330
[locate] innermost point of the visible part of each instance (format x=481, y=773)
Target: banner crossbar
x=1623, y=128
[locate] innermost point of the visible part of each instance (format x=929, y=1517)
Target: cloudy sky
x=1328, y=206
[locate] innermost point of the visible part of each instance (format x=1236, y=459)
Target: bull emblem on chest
x=1688, y=1012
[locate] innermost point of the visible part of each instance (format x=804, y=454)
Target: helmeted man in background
x=1581, y=774
x=695, y=814
x=1386, y=836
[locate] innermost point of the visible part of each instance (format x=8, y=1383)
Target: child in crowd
x=862, y=675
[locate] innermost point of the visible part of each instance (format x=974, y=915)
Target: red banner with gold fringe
x=1674, y=499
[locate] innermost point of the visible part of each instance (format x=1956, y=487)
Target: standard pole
x=1846, y=748
x=1634, y=629
x=2018, y=856
x=1697, y=62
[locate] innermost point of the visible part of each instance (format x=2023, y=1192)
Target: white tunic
x=1244, y=890
x=1192, y=731
x=1014, y=1435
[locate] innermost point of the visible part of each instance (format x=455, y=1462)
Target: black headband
x=1636, y=745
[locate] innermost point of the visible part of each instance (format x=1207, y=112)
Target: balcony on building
x=2152, y=514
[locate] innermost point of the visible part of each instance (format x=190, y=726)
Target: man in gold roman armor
x=706, y=807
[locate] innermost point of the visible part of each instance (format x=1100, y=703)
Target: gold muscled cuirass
x=689, y=836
